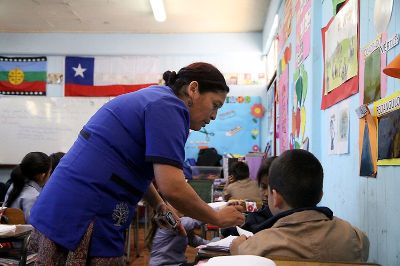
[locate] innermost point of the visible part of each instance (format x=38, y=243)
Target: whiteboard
x=46, y=124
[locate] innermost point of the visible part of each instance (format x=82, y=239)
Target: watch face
x=170, y=219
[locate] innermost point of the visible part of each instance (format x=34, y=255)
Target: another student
x=55, y=159
x=28, y=178
x=168, y=247
x=255, y=219
x=299, y=229
x=240, y=186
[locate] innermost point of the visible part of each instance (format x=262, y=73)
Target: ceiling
x=132, y=16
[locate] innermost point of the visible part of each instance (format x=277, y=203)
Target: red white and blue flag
x=104, y=76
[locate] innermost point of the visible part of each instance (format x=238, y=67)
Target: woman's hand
x=230, y=216
x=234, y=248
x=163, y=209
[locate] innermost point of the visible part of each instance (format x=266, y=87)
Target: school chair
x=15, y=246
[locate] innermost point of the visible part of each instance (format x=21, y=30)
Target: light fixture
x=158, y=10
x=393, y=68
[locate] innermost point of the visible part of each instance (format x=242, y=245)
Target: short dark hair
x=210, y=79
x=298, y=176
x=239, y=170
x=264, y=168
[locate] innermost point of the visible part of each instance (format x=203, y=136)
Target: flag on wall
x=23, y=75
x=102, y=76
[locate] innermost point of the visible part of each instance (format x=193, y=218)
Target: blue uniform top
x=109, y=167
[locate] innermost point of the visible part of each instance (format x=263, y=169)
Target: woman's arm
x=172, y=185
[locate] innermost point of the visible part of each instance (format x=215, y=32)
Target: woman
x=131, y=140
x=27, y=179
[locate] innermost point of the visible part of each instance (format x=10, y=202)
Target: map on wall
x=236, y=129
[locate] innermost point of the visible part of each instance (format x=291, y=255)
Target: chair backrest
x=204, y=188
x=13, y=216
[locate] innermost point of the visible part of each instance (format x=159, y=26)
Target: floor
x=142, y=258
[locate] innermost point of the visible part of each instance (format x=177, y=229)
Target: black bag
x=208, y=157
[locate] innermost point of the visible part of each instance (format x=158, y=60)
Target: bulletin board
x=46, y=124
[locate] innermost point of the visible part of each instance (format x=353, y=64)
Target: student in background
x=130, y=141
x=239, y=185
x=168, y=247
x=255, y=219
x=28, y=178
x=55, y=159
x=300, y=229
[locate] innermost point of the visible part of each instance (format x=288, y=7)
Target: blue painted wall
x=371, y=204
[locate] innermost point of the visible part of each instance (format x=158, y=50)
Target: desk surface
x=207, y=254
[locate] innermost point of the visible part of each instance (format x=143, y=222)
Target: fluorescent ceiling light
x=158, y=10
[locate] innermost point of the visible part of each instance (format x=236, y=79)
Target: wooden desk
x=21, y=234
x=279, y=261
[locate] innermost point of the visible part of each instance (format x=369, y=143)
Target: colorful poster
x=339, y=128
x=387, y=113
x=104, y=76
x=236, y=129
x=367, y=145
x=303, y=32
x=283, y=87
x=372, y=62
x=340, y=49
x=23, y=75
x=298, y=137
x=286, y=26
x=270, y=120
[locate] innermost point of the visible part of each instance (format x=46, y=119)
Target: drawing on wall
x=303, y=25
x=387, y=113
x=340, y=50
x=339, y=127
x=368, y=145
x=297, y=136
x=270, y=113
x=382, y=14
x=286, y=26
x=236, y=133
x=283, y=86
x=336, y=5
x=372, y=81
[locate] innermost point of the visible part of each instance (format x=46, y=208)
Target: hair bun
x=170, y=77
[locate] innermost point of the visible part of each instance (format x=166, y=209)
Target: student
x=130, y=140
x=168, y=247
x=55, y=159
x=27, y=179
x=239, y=185
x=299, y=229
x=255, y=219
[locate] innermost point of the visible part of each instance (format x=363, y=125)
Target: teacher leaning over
x=89, y=201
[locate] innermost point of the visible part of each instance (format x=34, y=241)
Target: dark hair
x=264, y=168
x=298, y=176
x=239, y=170
x=32, y=164
x=207, y=75
x=55, y=159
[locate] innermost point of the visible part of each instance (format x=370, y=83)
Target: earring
x=190, y=103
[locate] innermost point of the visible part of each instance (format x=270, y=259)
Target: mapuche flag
x=102, y=76
x=23, y=75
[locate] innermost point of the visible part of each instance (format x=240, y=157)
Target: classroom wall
x=368, y=203
x=230, y=52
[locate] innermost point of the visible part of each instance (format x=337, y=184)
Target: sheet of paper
x=224, y=242
x=243, y=232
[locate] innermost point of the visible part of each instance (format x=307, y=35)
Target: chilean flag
x=103, y=76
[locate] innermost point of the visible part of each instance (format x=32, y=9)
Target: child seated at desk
x=239, y=185
x=300, y=229
x=168, y=246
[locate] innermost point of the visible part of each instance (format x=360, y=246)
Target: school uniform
x=109, y=167
x=243, y=189
x=169, y=246
x=26, y=198
x=309, y=234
